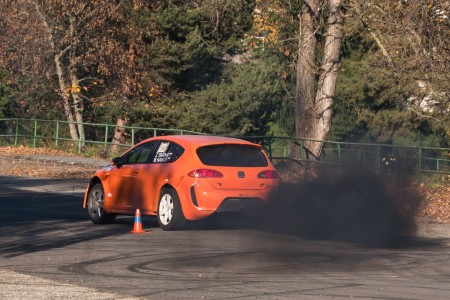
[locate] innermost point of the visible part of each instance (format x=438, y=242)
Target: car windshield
x=230, y=155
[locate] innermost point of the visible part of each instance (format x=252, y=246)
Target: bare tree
x=89, y=47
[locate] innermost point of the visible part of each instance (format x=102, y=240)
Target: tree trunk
x=60, y=73
x=313, y=115
x=78, y=105
x=119, y=134
x=65, y=97
x=306, y=71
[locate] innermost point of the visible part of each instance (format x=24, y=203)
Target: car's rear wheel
x=170, y=213
x=95, y=204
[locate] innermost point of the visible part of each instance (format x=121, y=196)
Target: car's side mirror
x=118, y=161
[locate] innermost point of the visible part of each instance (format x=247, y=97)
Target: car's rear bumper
x=199, y=199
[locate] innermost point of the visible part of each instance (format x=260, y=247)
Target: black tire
x=95, y=203
x=170, y=213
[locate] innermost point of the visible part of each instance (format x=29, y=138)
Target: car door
x=127, y=187
x=158, y=171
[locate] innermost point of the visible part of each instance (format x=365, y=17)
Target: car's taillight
x=205, y=173
x=269, y=174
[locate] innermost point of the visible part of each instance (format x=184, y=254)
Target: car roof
x=201, y=140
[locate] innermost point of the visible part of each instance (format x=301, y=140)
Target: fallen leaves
x=12, y=165
x=28, y=168
x=22, y=150
x=436, y=207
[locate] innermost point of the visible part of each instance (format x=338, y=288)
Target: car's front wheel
x=170, y=213
x=95, y=203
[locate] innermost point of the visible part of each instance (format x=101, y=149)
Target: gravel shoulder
x=14, y=285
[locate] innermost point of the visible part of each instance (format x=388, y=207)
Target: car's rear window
x=230, y=155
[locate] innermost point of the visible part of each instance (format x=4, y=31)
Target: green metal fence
x=51, y=133
x=382, y=158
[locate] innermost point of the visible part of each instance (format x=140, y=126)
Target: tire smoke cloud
x=357, y=207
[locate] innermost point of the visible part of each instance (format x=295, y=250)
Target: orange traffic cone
x=137, y=223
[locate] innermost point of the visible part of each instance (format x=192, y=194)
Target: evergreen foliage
x=244, y=102
x=5, y=94
x=187, y=51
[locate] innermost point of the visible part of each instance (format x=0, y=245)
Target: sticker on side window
x=162, y=157
x=163, y=147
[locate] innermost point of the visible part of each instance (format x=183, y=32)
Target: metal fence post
x=339, y=153
x=35, y=134
x=17, y=133
x=419, y=164
x=302, y=154
x=79, y=141
x=270, y=151
x=57, y=133
x=106, y=136
x=132, y=136
x=378, y=159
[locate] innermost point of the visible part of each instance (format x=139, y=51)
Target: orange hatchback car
x=179, y=178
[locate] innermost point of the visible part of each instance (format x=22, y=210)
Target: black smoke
x=357, y=207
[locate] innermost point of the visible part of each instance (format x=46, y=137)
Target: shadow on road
x=33, y=220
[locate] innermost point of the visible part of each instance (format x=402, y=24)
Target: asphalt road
x=46, y=235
